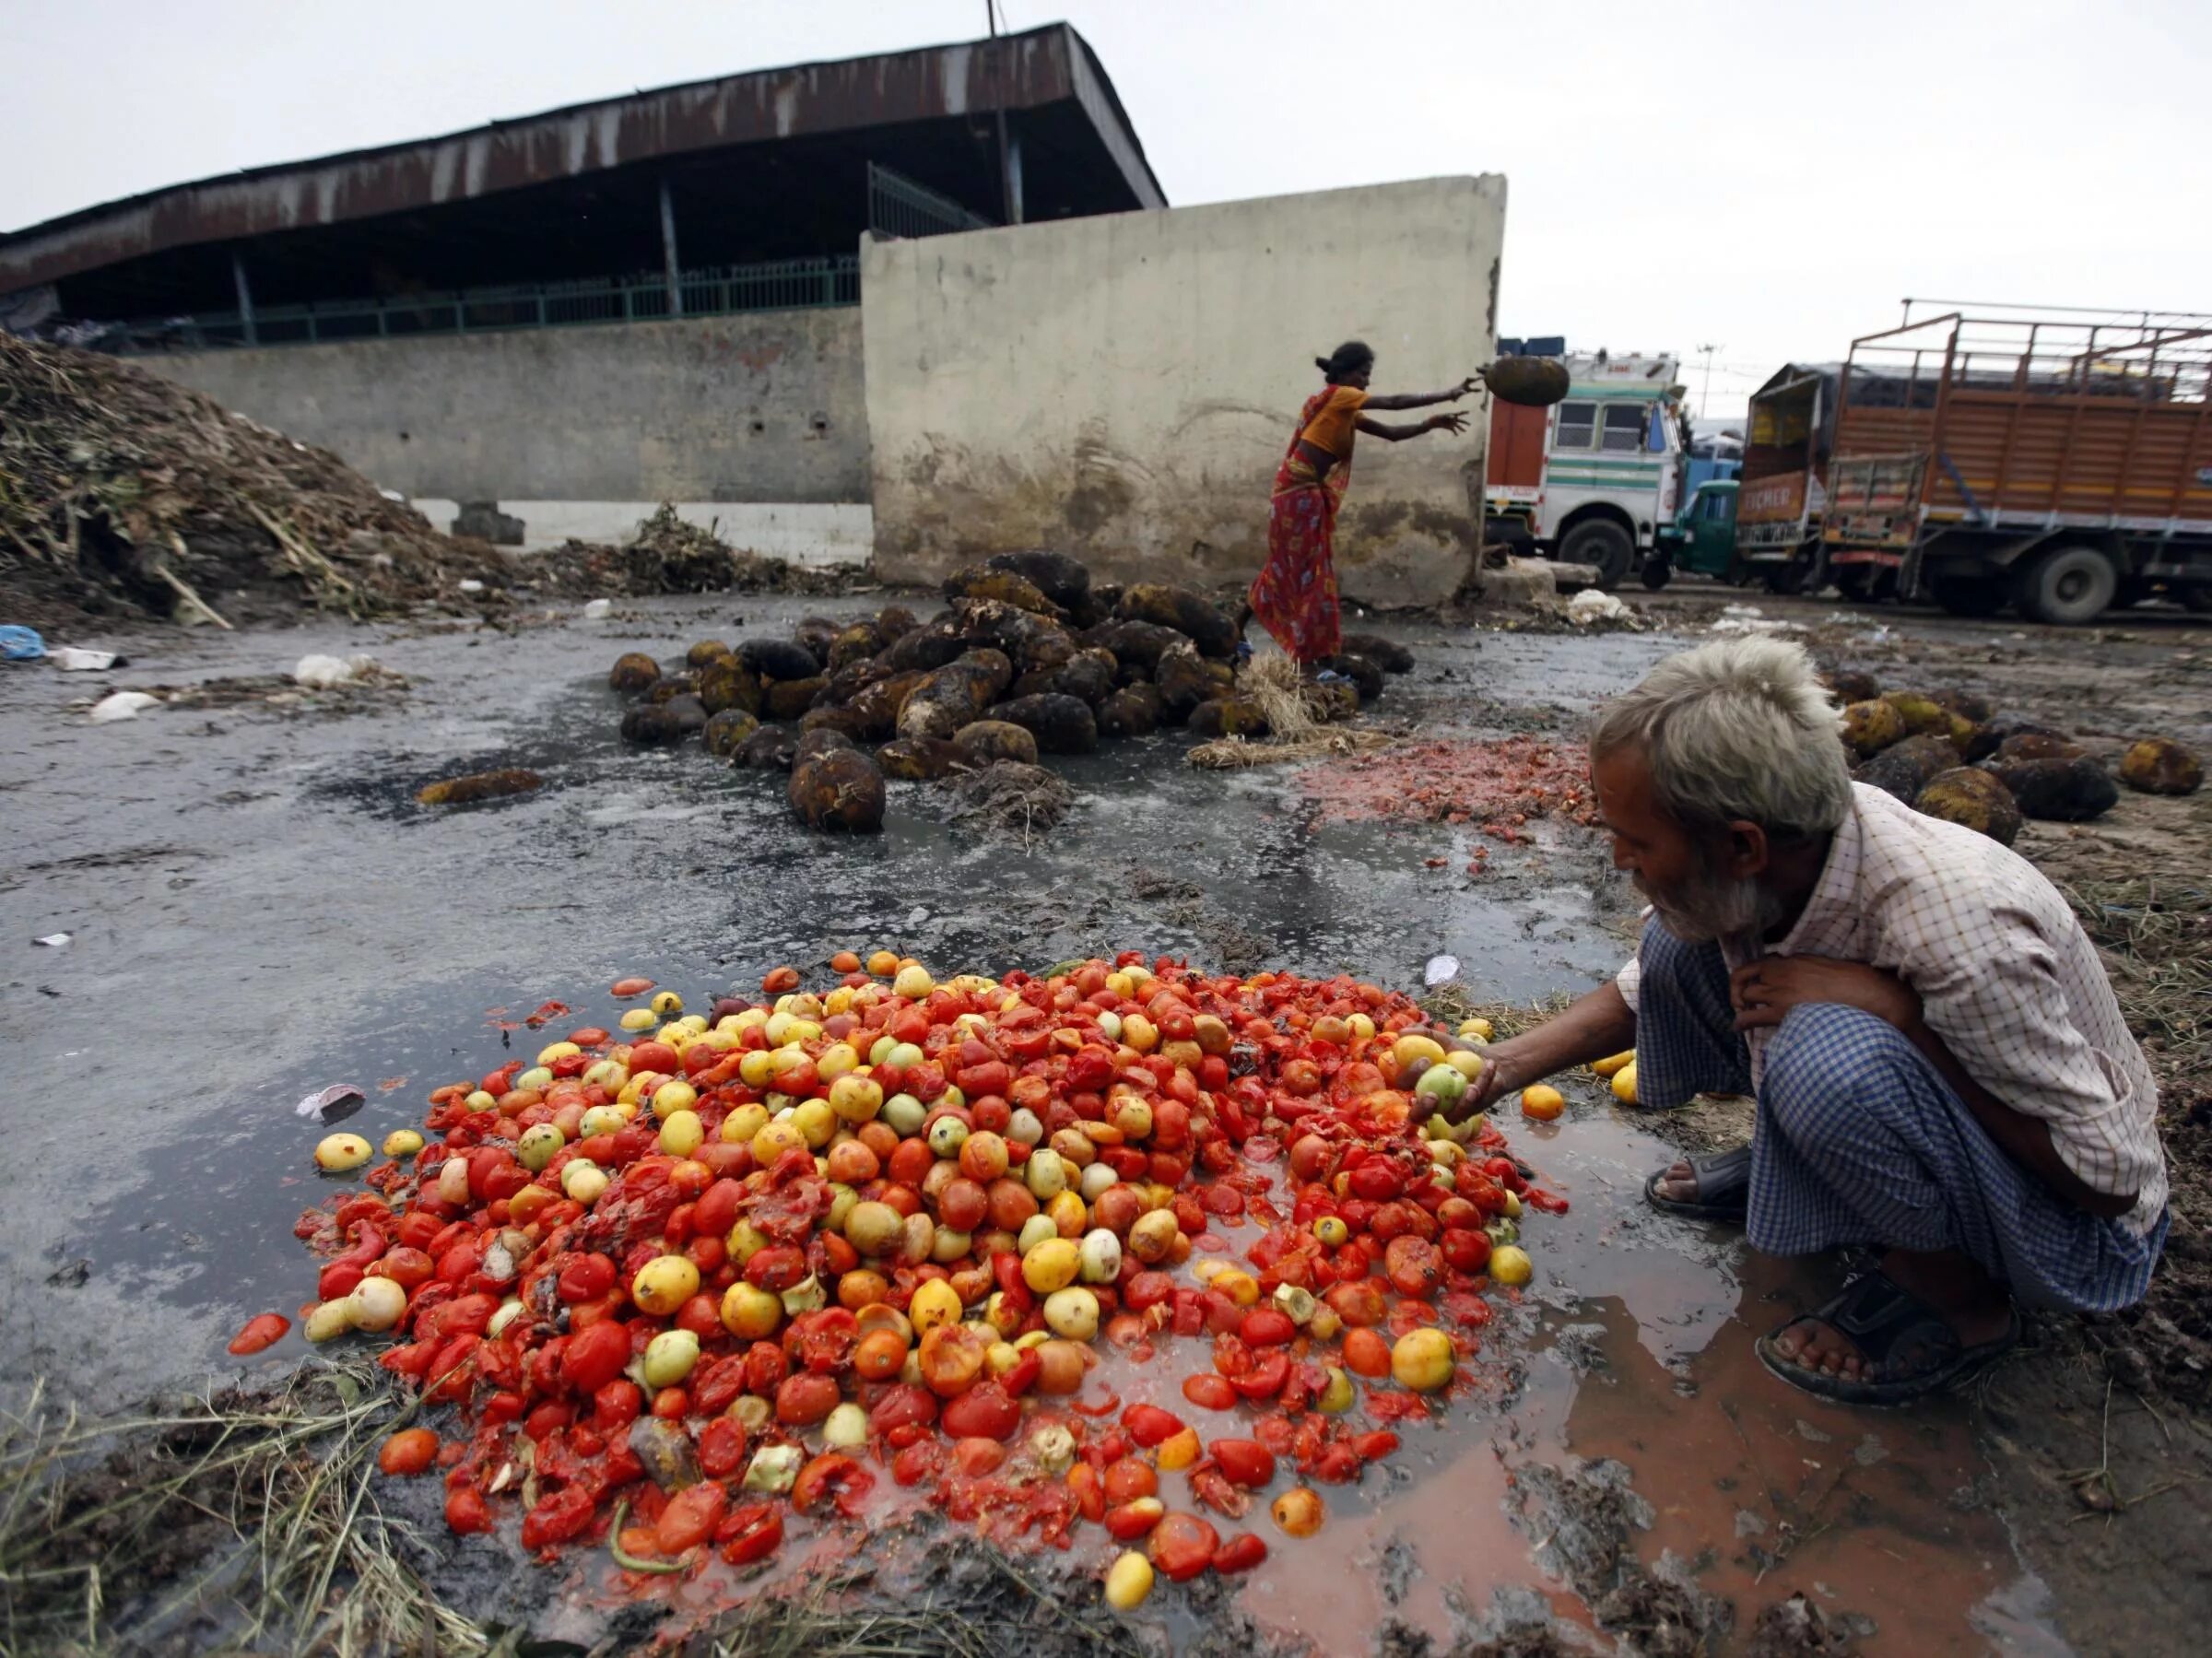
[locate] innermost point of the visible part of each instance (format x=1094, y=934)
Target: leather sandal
x=1906, y=1349
x=1723, y=1179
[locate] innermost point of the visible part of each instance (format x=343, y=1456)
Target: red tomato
x=976, y=1457
x=751, y=1533
x=721, y=1448
x=983, y=1412
x=924, y=1459
x=1267, y=1376
x=691, y=1514
x=464, y=1510
x=1241, y=1553
x=1244, y=1462
x=1209, y=1392
x=1150, y=1426
x=1266, y=1327
x=1146, y=1291
x=1128, y=1477
x=411, y=1451
x=1359, y=1304
x=902, y=1403
x=1414, y=1265
x=834, y=1477
x=594, y=1356
x=563, y=1516
x=1182, y=1545
x=1466, y=1250
x=716, y=1211
x=1365, y=1353
x=616, y=1405
x=1377, y=1181
x=585, y=1278
x=262, y=1330
x=1135, y=1518
x=806, y=1399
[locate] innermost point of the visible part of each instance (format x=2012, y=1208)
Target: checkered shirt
x=2006, y=977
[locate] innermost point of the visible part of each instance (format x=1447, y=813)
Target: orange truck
x=2058, y=462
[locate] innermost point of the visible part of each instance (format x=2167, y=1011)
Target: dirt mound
x=670, y=555
x=123, y=494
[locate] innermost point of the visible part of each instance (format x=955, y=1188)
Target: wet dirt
x=260, y=909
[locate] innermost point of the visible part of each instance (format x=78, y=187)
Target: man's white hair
x=1736, y=729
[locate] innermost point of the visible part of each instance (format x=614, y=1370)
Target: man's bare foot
x=1966, y=1298
x=1680, y=1183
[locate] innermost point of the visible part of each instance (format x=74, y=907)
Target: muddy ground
x=257, y=908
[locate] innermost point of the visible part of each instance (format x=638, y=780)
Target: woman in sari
x=1295, y=595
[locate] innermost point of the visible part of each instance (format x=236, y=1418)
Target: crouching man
x=1942, y=1071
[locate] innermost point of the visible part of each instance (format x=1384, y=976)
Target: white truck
x=1592, y=479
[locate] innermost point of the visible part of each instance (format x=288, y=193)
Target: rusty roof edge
x=1095, y=91
x=1048, y=65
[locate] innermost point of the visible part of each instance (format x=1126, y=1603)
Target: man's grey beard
x=1710, y=906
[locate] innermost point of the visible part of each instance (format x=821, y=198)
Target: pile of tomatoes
x=711, y=1277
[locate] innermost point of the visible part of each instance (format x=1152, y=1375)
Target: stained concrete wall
x=1121, y=388
x=767, y=406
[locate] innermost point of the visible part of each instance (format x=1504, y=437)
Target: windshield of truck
x=1576, y=426
x=1625, y=427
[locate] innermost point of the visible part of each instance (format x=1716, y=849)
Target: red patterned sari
x=1294, y=595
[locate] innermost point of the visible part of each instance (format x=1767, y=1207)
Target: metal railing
x=784, y=285
x=898, y=207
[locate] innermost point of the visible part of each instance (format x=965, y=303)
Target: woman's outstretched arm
x=1398, y=434
x=1421, y=400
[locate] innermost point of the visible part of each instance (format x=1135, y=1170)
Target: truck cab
x=1701, y=539
x=1602, y=475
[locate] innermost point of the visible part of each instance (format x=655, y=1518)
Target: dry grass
x=252, y=1514
x=976, y=1603
x=2156, y=936
x=1272, y=682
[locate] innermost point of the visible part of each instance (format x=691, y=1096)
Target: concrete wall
x=1121, y=388
x=816, y=533
x=768, y=407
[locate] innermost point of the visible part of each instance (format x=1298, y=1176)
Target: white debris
x=321, y=673
x=471, y=584
x=598, y=609
x=1590, y=606
x=1442, y=969
x=1736, y=620
x=71, y=660
x=123, y=705
x=54, y=941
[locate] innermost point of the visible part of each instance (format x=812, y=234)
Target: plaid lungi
x=1859, y=1140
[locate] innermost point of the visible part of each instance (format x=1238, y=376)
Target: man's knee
x=1826, y=1065
x=1661, y=959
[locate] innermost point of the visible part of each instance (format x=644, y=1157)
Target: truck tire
x=1967, y=595
x=2197, y=601
x=2065, y=586
x=1601, y=542
x=1806, y=571
x=1657, y=572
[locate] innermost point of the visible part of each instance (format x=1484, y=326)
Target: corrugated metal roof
x=1040, y=66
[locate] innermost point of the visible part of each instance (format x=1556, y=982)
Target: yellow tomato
x=663, y=1284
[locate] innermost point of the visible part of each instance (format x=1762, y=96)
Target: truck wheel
x=2065, y=586
x=2197, y=601
x=1806, y=571
x=1967, y=595
x=1657, y=572
x=1601, y=542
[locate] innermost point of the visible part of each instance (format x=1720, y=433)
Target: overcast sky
x=1771, y=179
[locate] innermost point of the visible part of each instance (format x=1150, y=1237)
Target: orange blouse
x=1332, y=428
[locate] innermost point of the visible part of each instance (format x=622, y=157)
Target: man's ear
x=1748, y=852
